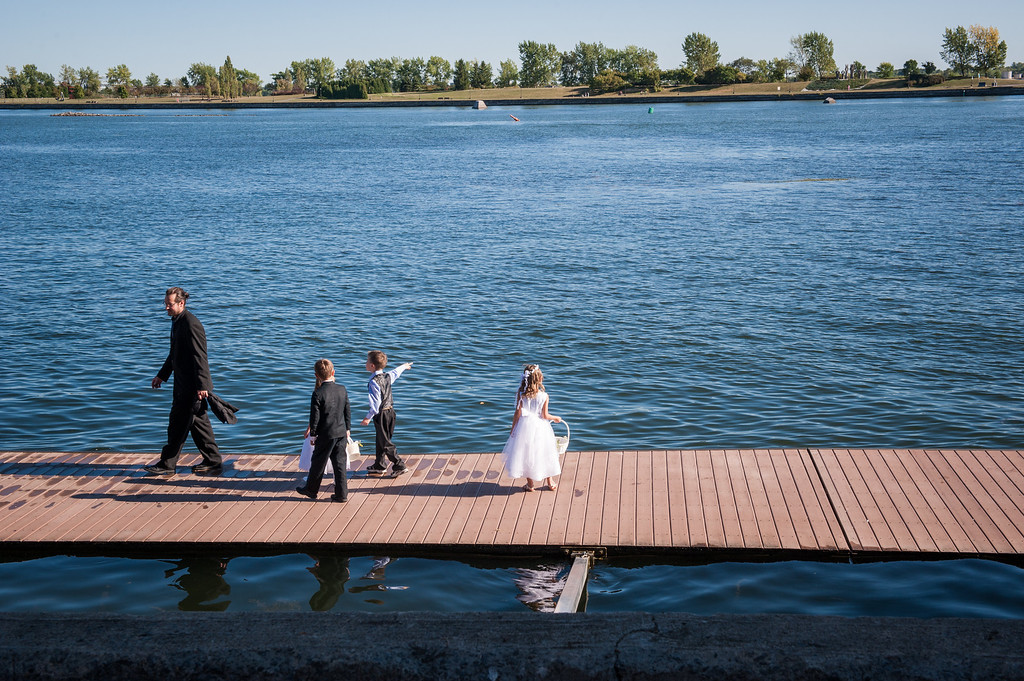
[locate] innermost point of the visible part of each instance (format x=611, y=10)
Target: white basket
x=562, y=442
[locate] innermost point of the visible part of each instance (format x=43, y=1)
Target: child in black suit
x=330, y=425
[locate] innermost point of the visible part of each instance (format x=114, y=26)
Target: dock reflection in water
x=342, y=583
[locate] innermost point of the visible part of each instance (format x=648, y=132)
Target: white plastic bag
x=306, y=457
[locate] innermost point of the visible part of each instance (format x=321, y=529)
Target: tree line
x=600, y=68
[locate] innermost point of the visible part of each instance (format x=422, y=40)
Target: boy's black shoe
x=398, y=470
x=335, y=497
x=156, y=469
x=375, y=469
x=207, y=469
x=305, y=492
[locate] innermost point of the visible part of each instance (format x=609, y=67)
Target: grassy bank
x=880, y=87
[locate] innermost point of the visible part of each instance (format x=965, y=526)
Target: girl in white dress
x=531, y=451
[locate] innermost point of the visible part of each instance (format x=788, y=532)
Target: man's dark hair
x=177, y=294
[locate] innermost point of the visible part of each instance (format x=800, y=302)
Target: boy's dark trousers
x=333, y=448
x=384, y=430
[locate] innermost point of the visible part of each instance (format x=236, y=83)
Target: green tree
x=200, y=75
x=584, y=62
x=354, y=69
x=680, y=76
x=152, y=80
x=929, y=67
x=282, y=83
x=607, y=81
x=439, y=72
x=119, y=75
x=383, y=69
x=767, y=70
x=747, y=67
x=248, y=82
x=989, y=50
x=482, y=75
x=13, y=86
x=719, y=75
x=815, y=51
x=539, y=64
x=885, y=70
x=410, y=75
x=570, y=71
x=701, y=53
x=67, y=76
x=89, y=79
x=957, y=50
x=299, y=72
x=910, y=68
x=228, y=77
x=508, y=74
x=461, y=75
x=858, y=70
x=319, y=72
x=637, y=65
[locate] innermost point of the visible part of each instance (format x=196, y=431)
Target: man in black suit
x=330, y=424
x=192, y=385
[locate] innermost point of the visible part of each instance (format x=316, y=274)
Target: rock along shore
x=499, y=646
x=838, y=95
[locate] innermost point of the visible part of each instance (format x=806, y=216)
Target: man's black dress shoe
x=335, y=497
x=305, y=492
x=158, y=470
x=207, y=469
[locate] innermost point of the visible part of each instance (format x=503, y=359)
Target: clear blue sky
x=265, y=37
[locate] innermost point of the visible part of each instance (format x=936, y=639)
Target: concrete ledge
x=498, y=646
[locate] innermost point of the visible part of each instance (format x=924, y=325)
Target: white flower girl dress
x=531, y=451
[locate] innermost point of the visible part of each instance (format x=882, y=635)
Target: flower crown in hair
x=527, y=372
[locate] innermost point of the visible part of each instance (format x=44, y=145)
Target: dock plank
x=563, y=500
x=677, y=502
x=660, y=499
x=625, y=532
x=696, y=522
x=597, y=497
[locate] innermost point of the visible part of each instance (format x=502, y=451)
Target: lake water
x=706, y=275
x=301, y=583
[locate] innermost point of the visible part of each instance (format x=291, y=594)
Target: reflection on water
x=203, y=584
x=376, y=576
x=332, y=573
x=343, y=583
x=540, y=587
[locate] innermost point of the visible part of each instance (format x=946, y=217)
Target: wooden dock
x=773, y=503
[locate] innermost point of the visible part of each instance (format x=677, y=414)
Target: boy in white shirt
x=382, y=411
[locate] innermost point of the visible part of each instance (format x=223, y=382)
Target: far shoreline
x=271, y=102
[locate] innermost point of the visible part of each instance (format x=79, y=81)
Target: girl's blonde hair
x=532, y=381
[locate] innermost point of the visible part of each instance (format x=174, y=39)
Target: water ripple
x=676, y=277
